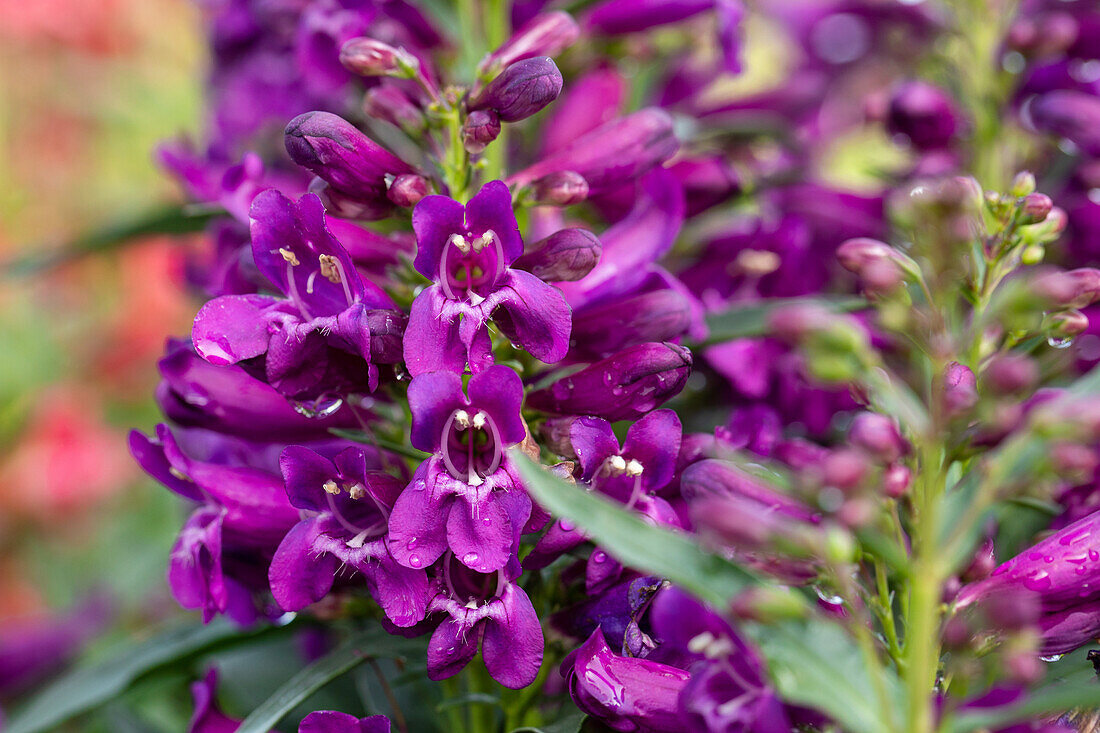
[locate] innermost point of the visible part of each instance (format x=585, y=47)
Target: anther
x=331, y=487
x=617, y=464
x=479, y=420
x=289, y=256
x=483, y=241
x=460, y=243
x=357, y=491
x=178, y=473
x=757, y=262
x=462, y=419
x=330, y=268
x=633, y=468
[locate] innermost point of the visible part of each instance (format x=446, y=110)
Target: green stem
x=889, y=626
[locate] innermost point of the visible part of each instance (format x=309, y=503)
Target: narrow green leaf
x=635, y=543
x=751, y=319
x=1072, y=684
x=570, y=723
x=166, y=220
x=815, y=663
x=361, y=437
x=86, y=688
x=371, y=643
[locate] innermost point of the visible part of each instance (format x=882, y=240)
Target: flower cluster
x=453, y=276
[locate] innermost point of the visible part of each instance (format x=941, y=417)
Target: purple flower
x=490, y=611
x=544, y=35
x=1062, y=571
x=521, y=90
x=243, y=514
x=330, y=721
x=346, y=510
x=466, y=251
x=1069, y=114
x=627, y=694
x=317, y=339
x=925, y=114
x=624, y=386
x=466, y=497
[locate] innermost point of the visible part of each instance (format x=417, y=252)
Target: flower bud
x=1069, y=114
x=840, y=546
x=341, y=205
x=960, y=389
x=1023, y=184
x=544, y=35
x=878, y=435
x=607, y=327
x=844, y=468
x=564, y=256
x=522, y=89
x=1010, y=374
x=371, y=57
x=622, y=387
x=923, y=113
x=1035, y=208
x=352, y=164
x=481, y=128
x=1070, y=289
x=408, y=188
x=896, y=480
x=982, y=564
x=561, y=188
x=388, y=103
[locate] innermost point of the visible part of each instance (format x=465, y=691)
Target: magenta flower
x=466, y=251
x=466, y=497
x=317, y=338
x=345, y=509
x=490, y=611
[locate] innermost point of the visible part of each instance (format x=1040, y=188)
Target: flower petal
x=491, y=208
x=513, y=643
x=654, y=441
x=433, y=397
x=593, y=442
x=232, y=328
x=534, y=315
x=434, y=220
x=498, y=391
x=298, y=576
x=431, y=339
x=480, y=534
x=451, y=648
x=417, y=528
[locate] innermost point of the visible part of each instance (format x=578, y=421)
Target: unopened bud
x=481, y=128
x=1023, y=184
x=371, y=57
x=878, y=435
x=844, y=468
x=544, y=35
x=521, y=90
x=960, y=389
x=1033, y=254
x=561, y=188
x=1035, y=208
x=565, y=256
x=407, y=189
x=1011, y=373
x=1070, y=289
x=1067, y=324
x=388, y=103
x=982, y=564
x=857, y=512
x=923, y=113
x=840, y=546
x=896, y=480
x=1073, y=461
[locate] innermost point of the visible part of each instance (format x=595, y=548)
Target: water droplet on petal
x=831, y=599
x=415, y=561
x=470, y=559
x=566, y=525
x=599, y=556
x=1052, y=657
x=1060, y=343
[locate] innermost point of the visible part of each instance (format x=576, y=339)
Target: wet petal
x=534, y=315
x=513, y=644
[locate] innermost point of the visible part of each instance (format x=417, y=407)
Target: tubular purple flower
x=481, y=128
x=1070, y=114
x=466, y=497
x=924, y=114
x=521, y=90
x=371, y=57
x=631, y=16
x=345, y=508
x=544, y=35
x=707, y=182
x=352, y=164
x=566, y=255
x=960, y=389
x=467, y=252
x=331, y=721
x=1070, y=289
x=621, y=387
x=613, y=325
x=562, y=188
x=879, y=436
x=613, y=154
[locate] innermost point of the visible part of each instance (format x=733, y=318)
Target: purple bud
x=923, y=113
x=1074, y=461
x=387, y=102
x=371, y=57
x=544, y=35
x=1069, y=114
x=622, y=387
x=960, y=389
x=522, y=89
x=613, y=154
x=878, y=435
x=1068, y=323
x=856, y=254
x=481, y=128
x=564, y=256
x=408, y=188
x=1035, y=208
x=1011, y=373
x=794, y=322
x=335, y=150
x=844, y=469
x=615, y=17
x=1070, y=289
x=609, y=326
x=561, y=188
x=982, y=564
x=896, y=480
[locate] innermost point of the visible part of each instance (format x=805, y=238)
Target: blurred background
x=87, y=89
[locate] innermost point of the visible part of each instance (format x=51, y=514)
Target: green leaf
x=635, y=543
x=815, y=663
x=167, y=220
x=1071, y=684
x=361, y=437
x=570, y=723
x=88, y=687
x=361, y=646
x=751, y=319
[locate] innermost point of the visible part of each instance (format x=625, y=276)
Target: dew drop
x=412, y=543
x=566, y=525
x=1052, y=657
x=415, y=561
x=1060, y=343
x=832, y=600
x=599, y=556
x=470, y=559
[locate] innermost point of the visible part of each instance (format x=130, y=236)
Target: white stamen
x=483, y=241
x=462, y=419
x=289, y=256
x=357, y=491
x=617, y=464
x=757, y=262
x=357, y=540
x=633, y=468
x=309, y=282
x=330, y=268
x=471, y=604
x=700, y=642
x=178, y=473
x=460, y=243
x=331, y=487
x=479, y=420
